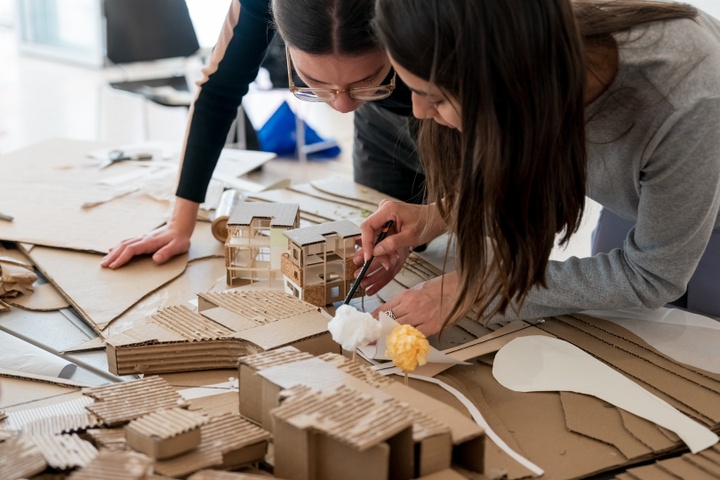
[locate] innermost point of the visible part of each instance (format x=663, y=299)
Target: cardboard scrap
x=16, y=277
x=347, y=189
x=606, y=426
x=310, y=190
x=44, y=187
x=312, y=208
x=6, y=435
x=107, y=438
x=100, y=295
x=201, y=275
x=122, y=402
x=700, y=466
x=112, y=465
x=56, y=418
x=45, y=298
x=63, y=452
x=18, y=392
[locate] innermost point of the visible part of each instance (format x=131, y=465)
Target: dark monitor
x=143, y=30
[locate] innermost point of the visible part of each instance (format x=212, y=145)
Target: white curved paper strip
x=477, y=416
x=541, y=364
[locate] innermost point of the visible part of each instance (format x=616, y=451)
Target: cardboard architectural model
x=228, y=325
x=151, y=413
x=318, y=266
x=228, y=442
x=342, y=434
x=165, y=433
x=439, y=432
x=255, y=243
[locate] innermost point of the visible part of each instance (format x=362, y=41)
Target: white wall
x=710, y=6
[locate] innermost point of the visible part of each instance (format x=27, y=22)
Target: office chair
x=146, y=30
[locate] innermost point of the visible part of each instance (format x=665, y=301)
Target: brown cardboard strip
x=605, y=424
x=691, y=391
x=45, y=298
x=535, y=422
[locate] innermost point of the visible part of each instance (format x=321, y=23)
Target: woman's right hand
x=413, y=225
x=164, y=242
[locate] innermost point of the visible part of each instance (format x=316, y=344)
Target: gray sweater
x=654, y=158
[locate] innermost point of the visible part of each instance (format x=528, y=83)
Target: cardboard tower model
x=255, y=242
x=317, y=266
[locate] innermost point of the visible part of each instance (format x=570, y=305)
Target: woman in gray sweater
x=529, y=106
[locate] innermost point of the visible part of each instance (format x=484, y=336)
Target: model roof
x=359, y=420
x=281, y=214
x=165, y=424
x=221, y=436
x=319, y=233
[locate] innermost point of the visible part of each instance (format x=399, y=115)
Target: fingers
x=124, y=252
x=172, y=249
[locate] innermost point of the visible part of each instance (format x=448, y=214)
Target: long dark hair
x=325, y=27
x=515, y=178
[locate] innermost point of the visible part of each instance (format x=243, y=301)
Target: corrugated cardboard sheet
x=45, y=186
x=101, y=295
x=178, y=339
x=573, y=436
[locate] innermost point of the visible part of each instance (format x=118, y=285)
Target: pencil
x=6, y=217
x=356, y=284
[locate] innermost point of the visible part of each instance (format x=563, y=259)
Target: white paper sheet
x=683, y=336
x=16, y=354
x=541, y=364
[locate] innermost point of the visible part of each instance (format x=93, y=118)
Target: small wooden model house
x=255, y=242
x=318, y=266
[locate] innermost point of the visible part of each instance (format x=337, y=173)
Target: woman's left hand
x=426, y=305
x=381, y=271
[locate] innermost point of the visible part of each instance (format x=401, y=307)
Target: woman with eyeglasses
x=528, y=106
x=336, y=59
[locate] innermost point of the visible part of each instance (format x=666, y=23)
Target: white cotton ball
x=352, y=329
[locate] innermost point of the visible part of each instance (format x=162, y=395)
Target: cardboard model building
x=255, y=242
x=318, y=266
x=439, y=432
x=342, y=434
x=228, y=442
x=228, y=325
x=165, y=433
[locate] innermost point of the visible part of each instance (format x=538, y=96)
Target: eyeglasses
x=364, y=94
